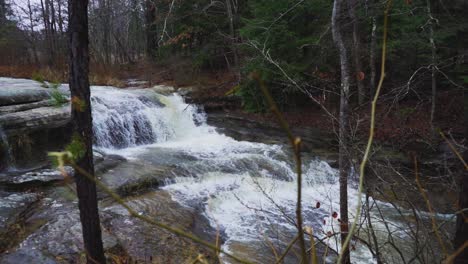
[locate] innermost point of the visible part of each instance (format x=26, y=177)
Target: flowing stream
x=246, y=190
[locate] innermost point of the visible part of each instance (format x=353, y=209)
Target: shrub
x=36, y=76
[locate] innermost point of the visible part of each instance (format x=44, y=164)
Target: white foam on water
x=245, y=188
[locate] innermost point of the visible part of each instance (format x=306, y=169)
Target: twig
x=454, y=150
x=296, y=144
x=371, y=136
x=429, y=207
x=288, y=248
x=165, y=23
x=452, y=257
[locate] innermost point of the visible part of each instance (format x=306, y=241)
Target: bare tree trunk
x=60, y=16
x=123, y=50
x=53, y=29
x=45, y=20
x=338, y=37
x=372, y=62
x=83, y=133
x=359, y=74
x=2, y=11
x=33, y=38
x=433, y=62
x=232, y=33
x=151, y=29
x=461, y=234
x=105, y=27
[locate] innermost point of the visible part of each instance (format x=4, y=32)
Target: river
x=245, y=190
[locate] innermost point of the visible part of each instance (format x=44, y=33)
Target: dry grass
x=97, y=76
x=180, y=73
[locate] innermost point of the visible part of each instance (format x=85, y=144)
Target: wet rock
x=143, y=241
x=135, y=83
x=55, y=232
x=166, y=156
x=97, y=156
x=38, y=177
x=29, y=150
x=27, y=256
x=20, y=91
x=11, y=206
x=24, y=107
x=135, y=176
x=41, y=118
x=314, y=141
x=162, y=89
x=104, y=163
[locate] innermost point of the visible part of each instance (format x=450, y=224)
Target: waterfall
x=224, y=175
x=123, y=118
x=246, y=190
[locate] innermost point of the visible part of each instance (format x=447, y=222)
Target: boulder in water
x=132, y=177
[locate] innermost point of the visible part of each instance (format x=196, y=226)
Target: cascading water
x=123, y=119
x=247, y=190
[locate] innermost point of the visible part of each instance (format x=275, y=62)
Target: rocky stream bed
x=169, y=161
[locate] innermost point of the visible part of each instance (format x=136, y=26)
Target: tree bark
x=60, y=16
x=82, y=126
x=461, y=233
x=230, y=13
x=338, y=37
x=33, y=38
x=372, y=62
x=433, y=62
x=2, y=12
x=151, y=29
x=359, y=77
x=105, y=27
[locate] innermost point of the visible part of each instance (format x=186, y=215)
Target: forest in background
x=289, y=43
x=310, y=54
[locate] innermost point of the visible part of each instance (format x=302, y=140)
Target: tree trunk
x=2, y=12
x=338, y=37
x=104, y=29
x=60, y=16
x=82, y=126
x=372, y=62
x=33, y=38
x=232, y=33
x=359, y=74
x=433, y=62
x=461, y=234
x=151, y=29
